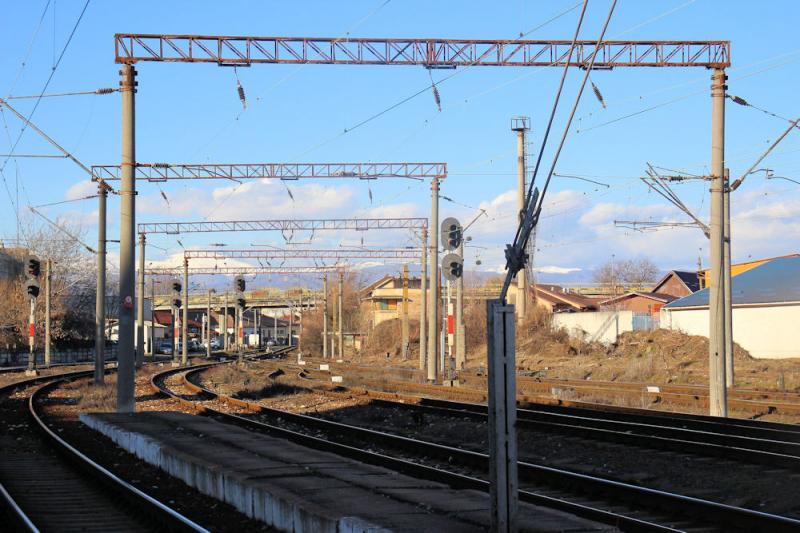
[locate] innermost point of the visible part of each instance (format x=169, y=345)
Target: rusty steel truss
x=397, y=253
x=159, y=172
x=244, y=270
x=355, y=224
x=246, y=50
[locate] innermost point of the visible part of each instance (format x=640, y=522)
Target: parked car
x=165, y=347
x=194, y=345
x=271, y=342
x=216, y=343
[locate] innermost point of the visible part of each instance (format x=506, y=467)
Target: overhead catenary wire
x=102, y=90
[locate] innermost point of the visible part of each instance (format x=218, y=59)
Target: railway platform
x=294, y=488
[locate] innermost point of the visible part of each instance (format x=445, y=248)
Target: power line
x=30, y=47
x=47, y=83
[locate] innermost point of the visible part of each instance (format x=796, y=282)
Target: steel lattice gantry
x=159, y=172
x=246, y=50
x=250, y=270
x=402, y=253
x=355, y=224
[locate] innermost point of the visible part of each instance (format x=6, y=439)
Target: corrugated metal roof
x=777, y=281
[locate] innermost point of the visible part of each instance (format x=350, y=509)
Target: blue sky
x=191, y=113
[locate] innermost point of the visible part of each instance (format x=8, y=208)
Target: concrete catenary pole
x=522, y=282
x=340, y=323
x=224, y=323
x=404, y=317
x=461, y=337
x=175, y=335
x=48, y=275
x=325, y=317
x=208, y=325
x=718, y=402
x=433, y=297
x=423, y=302
x=185, y=319
x=100, y=296
x=127, y=267
x=140, y=305
x=728, y=297
x=291, y=324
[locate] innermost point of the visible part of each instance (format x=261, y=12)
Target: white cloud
x=557, y=270
x=80, y=189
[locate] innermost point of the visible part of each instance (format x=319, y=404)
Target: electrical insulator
x=240, y=90
x=598, y=95
x=105, y=90
x=436, y=97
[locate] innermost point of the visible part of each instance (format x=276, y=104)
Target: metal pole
x=48, y=274
x=325, y=317
x=291, y=324
x=718, y=401
x=503, y=482
x=275, y=327
x=185, y=320
x=240, y=333
x=174, y=335
x=300, y=336
x=433, y=299
x=423, y=302
x=208, y=325
x=225, y=325
x=140, y=306
x=726, y=266
x=152, y=319
x=31, y=339
x=126, y=371
x=404, y=323
x=522, y=282
x=461, y=342
x=100, y=296
x=340, y=323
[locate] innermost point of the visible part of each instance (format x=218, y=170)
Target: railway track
x=770, y=444
x=556, y=391
x=629, y=507
x=48, y=485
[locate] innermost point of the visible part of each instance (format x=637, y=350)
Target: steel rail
x=721, y=513
x=458, y=481
x=161, y=515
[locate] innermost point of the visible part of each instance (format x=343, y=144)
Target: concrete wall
x=603, y=326
x=765, y=332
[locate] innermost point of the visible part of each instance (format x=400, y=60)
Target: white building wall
x=603, y=326
x=768, y=332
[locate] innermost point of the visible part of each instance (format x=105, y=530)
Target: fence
x=645, y=322
x=20, y=358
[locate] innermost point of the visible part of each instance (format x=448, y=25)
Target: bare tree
x=633, y=273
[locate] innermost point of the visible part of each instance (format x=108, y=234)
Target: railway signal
x=33, y=268
x=452, y=233
x=238, y=284
x=452, y=266
x=32, y=288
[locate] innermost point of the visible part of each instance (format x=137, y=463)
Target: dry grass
x=247, y=384
x=94, y=398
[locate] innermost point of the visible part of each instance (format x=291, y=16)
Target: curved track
x=629, y=507
x=46, y=484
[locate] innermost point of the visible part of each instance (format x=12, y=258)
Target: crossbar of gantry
x=274, y=254
x=244, y=270
x=246, y=50
x=355, y=224
x=160, y=172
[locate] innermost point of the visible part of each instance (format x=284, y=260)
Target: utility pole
x=100, y=297
x=423, y=302
x=520, y=125
x=48, y=274
x=225, y=325
x=153, y=319
x=404, y=323
x=325, y=317
x=208, y=325
x=728, y=297
x=126, y=371
x=140, y=306
x=718, y=401
x=461, y=348
x=433, y=300
x=185, y=320
x=341, y=317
